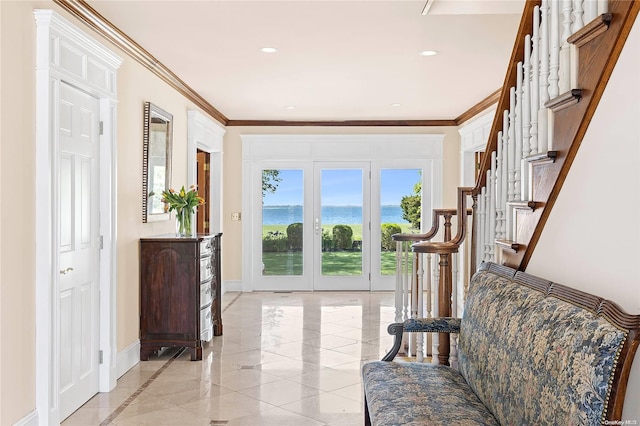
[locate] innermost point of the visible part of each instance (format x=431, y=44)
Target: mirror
x=156, y=166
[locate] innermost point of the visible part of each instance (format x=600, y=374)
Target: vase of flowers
x=183, y=202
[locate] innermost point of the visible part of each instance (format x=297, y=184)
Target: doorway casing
x=66, y=54
x=295, y=149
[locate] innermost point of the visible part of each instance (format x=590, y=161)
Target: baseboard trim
x=127, y=358
x=30, y=419
x=229, y=285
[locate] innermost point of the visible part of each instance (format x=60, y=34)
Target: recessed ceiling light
x=428, y=53
x=269, y=50
x=395, y=105
x=290, y=107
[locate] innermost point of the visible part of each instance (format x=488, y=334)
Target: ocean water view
x=331, y=215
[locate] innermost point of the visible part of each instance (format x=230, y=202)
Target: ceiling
x=336, y=60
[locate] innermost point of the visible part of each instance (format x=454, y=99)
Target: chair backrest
x=533, y=357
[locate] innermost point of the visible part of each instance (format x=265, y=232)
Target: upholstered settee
x=530, y=352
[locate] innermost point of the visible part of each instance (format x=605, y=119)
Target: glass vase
x=183, y=223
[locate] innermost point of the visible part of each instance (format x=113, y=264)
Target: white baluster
x=399, y=277
x=543, y=137
x=419, y=310
x=526, y=98
x=455, y=273
x=429, y=289
x=481, y=228
x=485, y=221
x=590, y=10
x=578, y=16
x=512, y=145
x=492, y=209
x=603, y=6
x=535, y=81
x=554, y=49
x=499, y=166
x=435, y=347
x=405, y=302
x=564, y=71
x=514, y=116
x=518, y=115
x=504, y=179
x=453, y=353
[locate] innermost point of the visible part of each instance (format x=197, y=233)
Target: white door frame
x=206, y=135
x=64, y=53
x=259, y=149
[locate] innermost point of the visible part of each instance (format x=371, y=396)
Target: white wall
x=591, y=240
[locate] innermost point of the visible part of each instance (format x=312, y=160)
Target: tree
x=270, y=181
x=412, y=206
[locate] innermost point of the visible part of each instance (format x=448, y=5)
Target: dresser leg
x=196, y=353
x=217, y=329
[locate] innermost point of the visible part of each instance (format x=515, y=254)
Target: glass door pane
x=342, y=226
x=400, y=211
x=282, y=222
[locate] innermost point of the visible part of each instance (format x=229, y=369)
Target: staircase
x=561, y=62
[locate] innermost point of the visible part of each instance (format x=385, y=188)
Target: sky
x=343, y=187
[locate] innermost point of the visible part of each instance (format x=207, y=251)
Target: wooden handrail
x=452, y=245
x=597, y=58
x=435, y=226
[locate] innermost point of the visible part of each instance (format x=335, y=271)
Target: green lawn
x=333, y=263
x=357, y=229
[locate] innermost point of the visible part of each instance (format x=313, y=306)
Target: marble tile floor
x=284, y=359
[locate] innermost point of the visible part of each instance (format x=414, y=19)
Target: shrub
x=411, y=209
x=387, y=230
x=342, y=237
x=274, y=242
x=327, y=241
x=294, y=236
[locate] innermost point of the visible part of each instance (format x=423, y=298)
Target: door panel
x=341, y=226
x=78, y=251
x=284, y=240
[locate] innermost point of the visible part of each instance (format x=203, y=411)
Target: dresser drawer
x=206, y=294
x=206, y=269
x=206, y=324
x=206, y=247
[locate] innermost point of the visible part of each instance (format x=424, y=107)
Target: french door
x=341, y=226
x=326, y=225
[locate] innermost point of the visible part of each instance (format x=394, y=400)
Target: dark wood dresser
x=179, y=293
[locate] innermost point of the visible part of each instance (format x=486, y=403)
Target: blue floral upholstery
x=533, y=359
x=524, y=358
x=453, y=401
x=433, y=325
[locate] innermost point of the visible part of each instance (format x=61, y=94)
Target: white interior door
x=78, y=251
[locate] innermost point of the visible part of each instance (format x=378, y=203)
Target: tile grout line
x=232, y=302
x=144, y=386
x=150, y=380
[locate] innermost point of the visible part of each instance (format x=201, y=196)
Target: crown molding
x=481, y=106
x=81, y=10
x=345, y=123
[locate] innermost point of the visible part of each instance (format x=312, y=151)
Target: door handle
x=317, y=226
x=64, y=271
